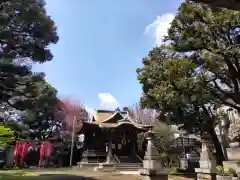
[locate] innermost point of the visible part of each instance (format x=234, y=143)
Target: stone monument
x=233, y=149
x=233, y=154
x=152, y=165
x=207, y=170
x=224, y=127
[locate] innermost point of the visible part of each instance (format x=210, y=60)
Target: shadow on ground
x=77, y=175
x=187, y=175
x=45, y=177
x=61, y=177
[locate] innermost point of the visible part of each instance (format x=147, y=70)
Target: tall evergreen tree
x=26, y=31
x=197, y=71
x=25, y=34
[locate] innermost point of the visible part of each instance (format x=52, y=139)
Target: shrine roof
x=113, y=119
x=101, y=116
x=121, y=123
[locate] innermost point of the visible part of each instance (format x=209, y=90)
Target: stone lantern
x=207, y=169
x=152, y=164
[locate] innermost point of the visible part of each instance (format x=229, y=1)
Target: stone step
x=127, y=166
x=127, y=159
x=127, y=169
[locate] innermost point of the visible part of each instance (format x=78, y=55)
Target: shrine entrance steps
x=125, y=163
x=119, y=163
x=128, y=159
x=120, y=167
x=127, y=166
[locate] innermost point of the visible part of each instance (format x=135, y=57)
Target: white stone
x=152, y=164
x=211, y=165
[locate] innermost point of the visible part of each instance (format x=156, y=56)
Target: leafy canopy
x=26, y=31
x=200, y=66
x=197, y=71
x=212, y=37
x=6, y=136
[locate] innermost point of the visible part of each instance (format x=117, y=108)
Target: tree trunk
x=218, y=148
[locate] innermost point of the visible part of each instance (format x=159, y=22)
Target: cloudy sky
x=101, y=45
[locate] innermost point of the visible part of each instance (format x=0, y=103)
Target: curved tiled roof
x=120, y=123
x=114, y=119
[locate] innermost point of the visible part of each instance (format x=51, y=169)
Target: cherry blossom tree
x=143, y=116
x=71, y=113
x=164, y=133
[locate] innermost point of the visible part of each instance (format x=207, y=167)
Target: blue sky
x=101, y=44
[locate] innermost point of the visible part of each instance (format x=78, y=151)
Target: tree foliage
x=163, y=140
x=25, y=33
x=197, y=71
x=39, y=118
x=36, y=115
x=26, y=30
x=71, y=113
x=213, y=38
x=164, y=135
x=6, y=136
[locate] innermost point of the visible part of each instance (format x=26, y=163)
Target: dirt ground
x=70, y=174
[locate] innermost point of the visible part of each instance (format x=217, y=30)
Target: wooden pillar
x=109, y=146
x=109, y=151
x=134, y=144
x=133, y=148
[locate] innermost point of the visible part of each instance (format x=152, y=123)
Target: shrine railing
x=139, y=158
x=94, y=156
x=116, y=158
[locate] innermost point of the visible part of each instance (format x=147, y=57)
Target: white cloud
x=107, y=101
x=90, y=112
x=159, y=27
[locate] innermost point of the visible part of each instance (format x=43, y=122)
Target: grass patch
x=173, y=171
x=179, y=178
x=17, y=175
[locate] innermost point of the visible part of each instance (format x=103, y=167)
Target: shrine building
x=111, y=138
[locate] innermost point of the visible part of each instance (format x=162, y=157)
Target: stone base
x=148, y=174
x=233, y=154
x=207, y=164
x=205, y=171
x=152, y=163
x=226, y=178
x=232, y=165
x=203, y=176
